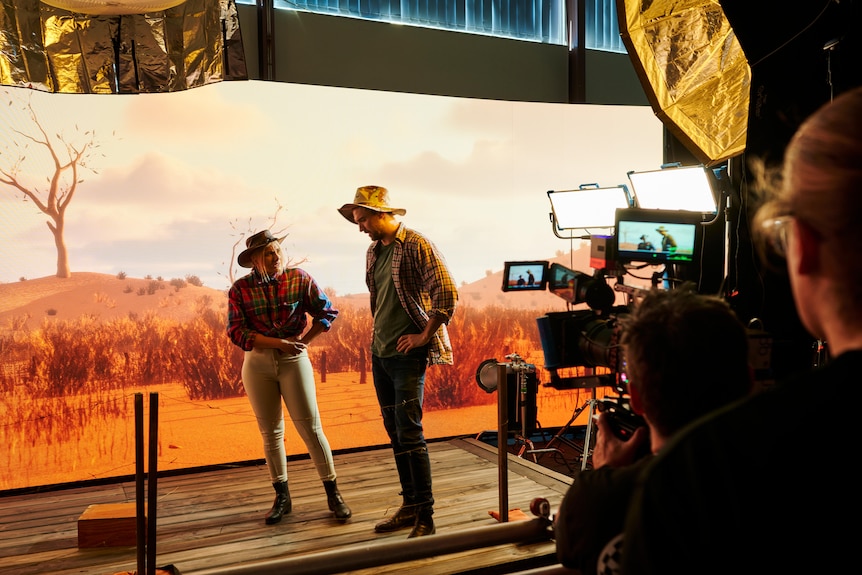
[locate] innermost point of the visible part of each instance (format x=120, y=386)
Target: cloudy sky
x=180, y=176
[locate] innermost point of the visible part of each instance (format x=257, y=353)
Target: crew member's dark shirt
x=767, y=485
x=593, y=512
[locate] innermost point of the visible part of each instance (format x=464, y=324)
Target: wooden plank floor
x=211, y=519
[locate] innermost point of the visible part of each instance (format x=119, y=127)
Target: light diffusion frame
x=588, y=207
x=674, y=188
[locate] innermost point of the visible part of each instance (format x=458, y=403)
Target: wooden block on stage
x=108, y=525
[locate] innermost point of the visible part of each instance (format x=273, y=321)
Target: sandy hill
x=106, y=297
x=102, y=296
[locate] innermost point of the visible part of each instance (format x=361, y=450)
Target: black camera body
x=622, y=419
x=581, y=338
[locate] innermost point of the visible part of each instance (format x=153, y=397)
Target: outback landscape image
x=118, y=244
x=69, y=383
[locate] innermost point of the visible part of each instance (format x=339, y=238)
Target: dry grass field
x=60, y=430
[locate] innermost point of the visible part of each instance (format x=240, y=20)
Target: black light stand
x=517, y=374
x=522, y=369
x=502, y=440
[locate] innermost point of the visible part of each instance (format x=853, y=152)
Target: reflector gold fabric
x=113, y=7
x=47, y=48
x=693, y=71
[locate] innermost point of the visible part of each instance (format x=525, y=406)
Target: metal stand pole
x=152, y=479
x=589, y=433
x=526, y=444
x=560, y=435
x=502, y=442
x=140, y=508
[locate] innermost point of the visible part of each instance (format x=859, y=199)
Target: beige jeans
x=270, y=377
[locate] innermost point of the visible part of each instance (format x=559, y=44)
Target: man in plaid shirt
x=413, y=297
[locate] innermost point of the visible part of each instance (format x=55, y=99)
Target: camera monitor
x=525, y=276
x=658, y=236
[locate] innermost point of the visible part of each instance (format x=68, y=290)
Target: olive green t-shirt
x=390, y=319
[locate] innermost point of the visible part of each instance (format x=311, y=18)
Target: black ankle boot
x=424, y=524
x=336, y=503
x=282, y=504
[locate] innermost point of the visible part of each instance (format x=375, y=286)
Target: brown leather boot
x=424, y=524
x=402, y=519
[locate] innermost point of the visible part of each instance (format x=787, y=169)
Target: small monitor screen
x=658, y=236
x=525, y=276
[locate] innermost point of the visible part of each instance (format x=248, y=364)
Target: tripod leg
x=589, y=433
x=560, y=435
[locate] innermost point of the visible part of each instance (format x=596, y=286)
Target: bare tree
x=69, y=158
x=243, y=235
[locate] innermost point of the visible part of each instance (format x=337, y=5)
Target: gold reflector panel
x=113, y=7
x=693, y=71
x=119, y=46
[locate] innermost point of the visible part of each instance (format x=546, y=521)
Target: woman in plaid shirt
x=268, y=312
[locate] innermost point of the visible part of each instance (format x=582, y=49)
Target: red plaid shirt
x=278, y=308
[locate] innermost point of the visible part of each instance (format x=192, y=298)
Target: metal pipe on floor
x=548, y=570
x=387, y=553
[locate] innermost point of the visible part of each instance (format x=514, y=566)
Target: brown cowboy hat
x=372, y=197
x=254, y=243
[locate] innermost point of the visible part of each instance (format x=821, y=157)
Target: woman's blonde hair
x=257, y=259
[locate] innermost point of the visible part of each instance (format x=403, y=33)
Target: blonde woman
x=268, y=317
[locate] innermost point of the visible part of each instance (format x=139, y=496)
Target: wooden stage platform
x=213, y=519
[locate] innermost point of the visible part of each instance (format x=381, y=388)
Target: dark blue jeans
x=400, y=385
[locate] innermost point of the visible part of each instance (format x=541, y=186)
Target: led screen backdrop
x=166, y=188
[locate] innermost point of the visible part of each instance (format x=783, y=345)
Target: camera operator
x=686, y=355
x=767, y=485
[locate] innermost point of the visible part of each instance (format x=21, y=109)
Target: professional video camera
x=586, y=337
x=654, y=230
x=669, y=242
x=623, y=420
x=581, y=338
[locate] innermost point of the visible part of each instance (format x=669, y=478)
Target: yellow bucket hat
x=372, y=197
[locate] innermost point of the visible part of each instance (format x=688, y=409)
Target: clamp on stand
x=489, y=378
